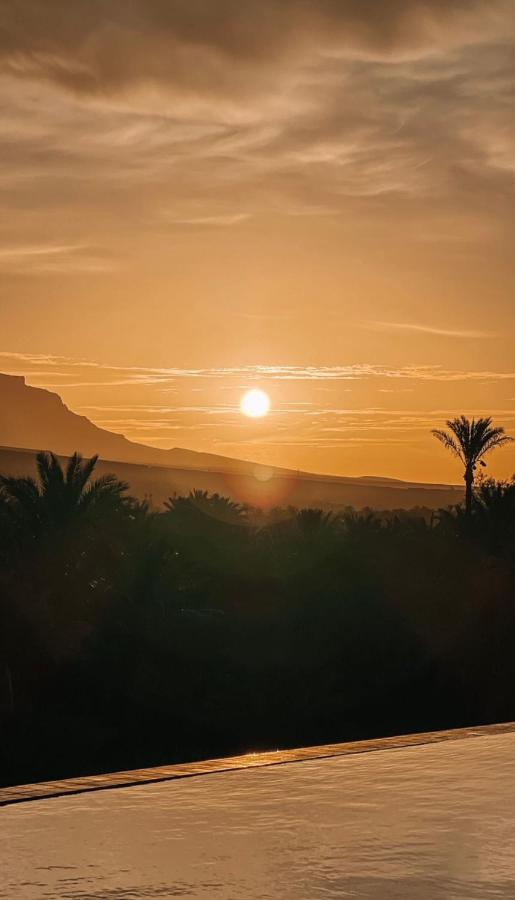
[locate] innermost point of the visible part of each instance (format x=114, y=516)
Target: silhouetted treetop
x=470, y=440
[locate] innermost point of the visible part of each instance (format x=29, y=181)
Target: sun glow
x=255, y=404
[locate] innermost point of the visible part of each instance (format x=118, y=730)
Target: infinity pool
x=434, y=821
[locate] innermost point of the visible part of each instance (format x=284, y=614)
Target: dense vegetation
x=133, y=637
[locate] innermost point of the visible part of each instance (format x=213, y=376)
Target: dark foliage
x=131, y=637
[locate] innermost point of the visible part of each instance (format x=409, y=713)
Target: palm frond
x=73, y=469
x=106, y=488
x=86, y=470
x=50, y=472
x=23, y=491
x=493, y=441
x=449, y=442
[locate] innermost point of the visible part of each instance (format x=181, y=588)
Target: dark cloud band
x=96, y=45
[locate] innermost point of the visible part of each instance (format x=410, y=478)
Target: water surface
x=431, y=822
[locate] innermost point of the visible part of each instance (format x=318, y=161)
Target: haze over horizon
x=313, y=199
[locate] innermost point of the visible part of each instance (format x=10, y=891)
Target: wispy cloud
x=38, y=259
x=32, y=251
x=164, y=375
x=213, y=221
x=415, y=327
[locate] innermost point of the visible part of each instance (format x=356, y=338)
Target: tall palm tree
x=470, y=441
x=62, y=495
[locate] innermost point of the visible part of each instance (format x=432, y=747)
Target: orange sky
x=317, y=199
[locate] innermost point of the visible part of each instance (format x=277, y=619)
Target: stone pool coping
x=83, y=784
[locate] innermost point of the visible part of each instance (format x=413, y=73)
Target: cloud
x=24, y=253
x=40, y=259
x=193, y=43
x=17, y=362
x=202, y=115
x=209, y=221
x=394, y=327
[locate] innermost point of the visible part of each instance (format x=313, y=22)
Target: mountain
x=36, y=419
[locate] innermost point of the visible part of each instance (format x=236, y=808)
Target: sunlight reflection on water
x=435, y=822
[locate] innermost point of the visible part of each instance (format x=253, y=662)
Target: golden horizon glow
x=255, y=404
x=315, y=199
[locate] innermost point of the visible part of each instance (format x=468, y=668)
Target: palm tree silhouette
x=62, y=495
x=470, y=441
x=216, y=507
x=312, y=522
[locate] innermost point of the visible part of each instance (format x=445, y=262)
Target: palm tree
x=470, y=441
x=62, y=496
x=201, y=503
x=311, y=522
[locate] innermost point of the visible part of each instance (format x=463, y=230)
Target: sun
x=255, y=404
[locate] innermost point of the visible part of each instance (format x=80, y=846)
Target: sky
x=314, y=198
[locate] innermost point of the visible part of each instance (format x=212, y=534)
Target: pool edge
x=47, y=790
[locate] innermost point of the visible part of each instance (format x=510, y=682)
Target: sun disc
x=255, y=404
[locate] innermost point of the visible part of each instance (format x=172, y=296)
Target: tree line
x=131, y=636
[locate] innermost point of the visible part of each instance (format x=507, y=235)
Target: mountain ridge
x=33, y=419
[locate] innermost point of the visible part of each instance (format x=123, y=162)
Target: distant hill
x=35, y=419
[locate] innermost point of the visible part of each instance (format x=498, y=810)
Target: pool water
x=434, y=821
